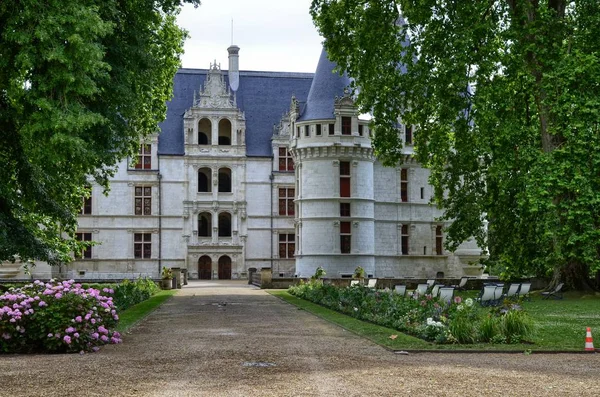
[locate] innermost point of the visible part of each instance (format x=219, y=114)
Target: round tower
x=334, y=179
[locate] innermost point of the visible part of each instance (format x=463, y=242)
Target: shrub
x=425, y=316
x=129, y=293
x=56, y=317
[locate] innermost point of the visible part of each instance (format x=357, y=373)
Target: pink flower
x=457, y=299
x=50, y=335
x=70, y=330
x=67, y=339
x=42, y=304
x=95, y=348
x=95, y=335
x=102, y=330
x=78, y=319
x=76, y=335
x=423, y=303
x=104, y=338
x=58, y=295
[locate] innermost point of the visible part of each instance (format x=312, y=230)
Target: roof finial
x=231, y=31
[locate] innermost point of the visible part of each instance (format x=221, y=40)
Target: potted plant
x=359, y=273
x=166, y=276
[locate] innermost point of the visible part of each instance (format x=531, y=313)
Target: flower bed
x=56, y=317
x=461, y=321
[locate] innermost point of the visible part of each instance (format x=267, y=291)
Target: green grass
x=560, y=324
x=128, y=318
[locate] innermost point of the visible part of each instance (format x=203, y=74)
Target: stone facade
x=251, y=172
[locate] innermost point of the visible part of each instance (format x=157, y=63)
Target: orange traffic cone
x=589, y=343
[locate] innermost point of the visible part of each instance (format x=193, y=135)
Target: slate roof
x=326, y=85
x=263, y=96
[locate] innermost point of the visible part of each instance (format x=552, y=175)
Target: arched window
x=225, y=132
x=225, y=180
x=224, y=224
x=204, y=180
x=204, y=132
x=205, y=224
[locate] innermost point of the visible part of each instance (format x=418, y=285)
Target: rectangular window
x=143, y=200
x=86, y=208
x=144, y=158
x=307, y=130
x=361, y=129
x=404, y=185
x=346, y=125
x=345, y=237
x=422, y=193
x=286, y=162
x=86, y=253
x=298, y=132
x=318, y=133
x=404, y=240
x=286, y=201
x=344, y=179
x=408, y=135
x=344, y=209
x=439, y=241
x=142, y=245
x=287, y=245
x=331, y=129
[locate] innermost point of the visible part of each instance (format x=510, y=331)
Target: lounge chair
x=446, y=294
x=524, y=291
x=430, y=282
x=498, y=294
x=354, y=282
x=372, y=283
x=421, y=290
x=400, y=290
x=513, y=291
x=487, y=295
x=556, y=293
x=435, y=291
x=461, y=284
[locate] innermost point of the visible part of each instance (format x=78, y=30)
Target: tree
x=506, y=98
x=81, y=82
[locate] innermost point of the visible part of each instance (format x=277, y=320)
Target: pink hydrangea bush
x=56, y=317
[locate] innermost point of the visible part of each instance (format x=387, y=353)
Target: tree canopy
x=81, y=82
x=505, y=95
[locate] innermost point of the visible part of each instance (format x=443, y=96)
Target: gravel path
x=209, y=338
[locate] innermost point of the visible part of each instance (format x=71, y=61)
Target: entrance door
x=225, y=268
x=204, y=268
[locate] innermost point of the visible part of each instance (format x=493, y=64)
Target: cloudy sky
x=273, y=35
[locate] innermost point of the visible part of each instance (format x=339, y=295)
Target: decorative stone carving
x=215, y=206
x=215, y=93
x=336, y=223
x=355, y=223
x=336, y=163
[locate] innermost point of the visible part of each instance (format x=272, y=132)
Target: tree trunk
x=575, y=275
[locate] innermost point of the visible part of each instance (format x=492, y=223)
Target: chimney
x=234, y=67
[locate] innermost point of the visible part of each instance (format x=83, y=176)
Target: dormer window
x=361, y=129
x=346, y=126
x=306, y=130
x=318, y=131
x=331, y=129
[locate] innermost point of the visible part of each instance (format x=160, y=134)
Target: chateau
x=264, y=169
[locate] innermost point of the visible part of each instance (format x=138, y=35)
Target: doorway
x=225, y=268
x=204, y=268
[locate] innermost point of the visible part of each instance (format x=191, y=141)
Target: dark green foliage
x=506, y=98
x=81, y=82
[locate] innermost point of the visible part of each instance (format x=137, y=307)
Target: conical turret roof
x=326, y=85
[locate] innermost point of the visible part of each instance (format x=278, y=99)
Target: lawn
x=560, y=325
x=128, y=318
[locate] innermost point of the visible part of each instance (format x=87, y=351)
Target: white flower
x=469, y=302
x=460, y=307
x=356, y=309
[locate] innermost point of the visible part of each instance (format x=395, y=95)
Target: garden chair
x=430, y=283
x=461, y=284
x=435, y=291
x=498, y=294
x=446, y=294
x=486, y=296
x=354, y=282
x=421, y=290
x=400, y=290
x=524, y=291
x=372, y=283
x=513, y=291
x=555, y=293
